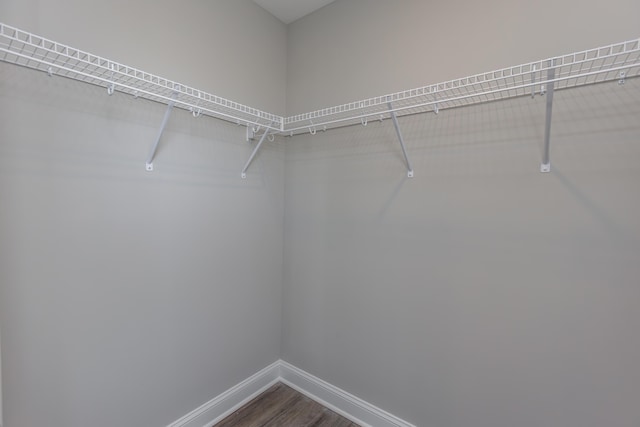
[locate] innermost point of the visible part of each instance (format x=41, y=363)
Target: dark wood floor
x=281, y=406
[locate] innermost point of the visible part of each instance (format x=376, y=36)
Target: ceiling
x=290, y=10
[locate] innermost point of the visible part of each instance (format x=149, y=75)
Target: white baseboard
x=338, y=400
x=225, y=404
x=345, y=404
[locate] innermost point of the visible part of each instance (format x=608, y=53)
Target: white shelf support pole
x=154, y=148
x=255, y=151
x=546, y=163
x=394, y=117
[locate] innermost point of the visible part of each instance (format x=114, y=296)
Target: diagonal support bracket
x=154, y=148
x=255, y=151
x=546, y=162
x=394, y=117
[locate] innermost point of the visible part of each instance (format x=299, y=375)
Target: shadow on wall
x=481, y=139
x=101, y=137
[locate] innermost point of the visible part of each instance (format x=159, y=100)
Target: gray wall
x=356, y=49
x=130, y=298
x=231, y=48
x=480, y=293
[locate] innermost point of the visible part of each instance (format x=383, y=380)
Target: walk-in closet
x=398, y=213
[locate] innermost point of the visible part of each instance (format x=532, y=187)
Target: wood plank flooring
x=281, y=406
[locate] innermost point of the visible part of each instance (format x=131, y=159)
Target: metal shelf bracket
x=255, y=150
x=533, y=81
x=251, y=133
x=545, y=167
x=111, y=87
x=154, y=148
x=394, y=117
x=622, y=76
x=616, y=62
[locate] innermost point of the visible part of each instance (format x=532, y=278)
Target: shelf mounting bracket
x=394, y=117
x=154, y=148
x=255, y=151
x=546, y=163
x=533, y=82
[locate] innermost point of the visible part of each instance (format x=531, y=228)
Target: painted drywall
x=481, y=292
x=130, y=298
x=356, y=49
x=234, y=49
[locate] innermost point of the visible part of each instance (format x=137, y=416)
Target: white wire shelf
x=618, y=61
x=32, y=51
x=614, y=62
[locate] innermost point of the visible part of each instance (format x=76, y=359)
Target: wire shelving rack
x=32, y=51
x=614, y=62
x=618, y=61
